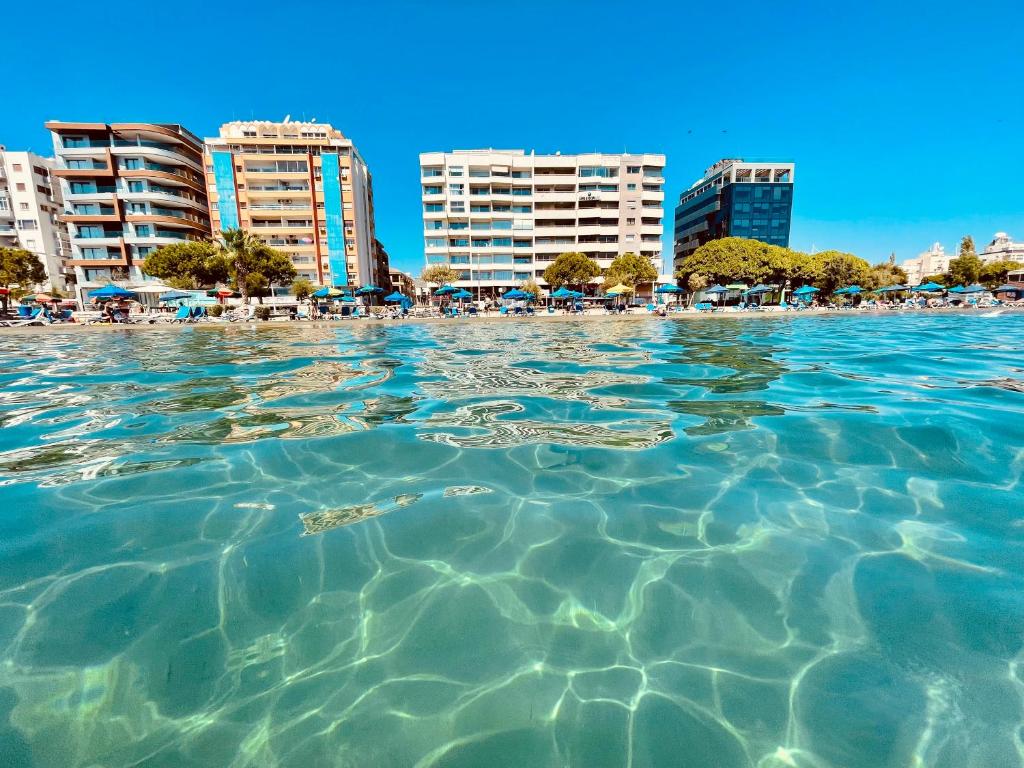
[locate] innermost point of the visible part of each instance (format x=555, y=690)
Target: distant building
x=301, y=188
x=1002, y=248
x=934, y=261
x=403, y=282
x=128, y=188
x=381, y=267
x=30, y=210
x=501, y=217
x=735, y=199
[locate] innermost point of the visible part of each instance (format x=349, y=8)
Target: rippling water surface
x=758, y=542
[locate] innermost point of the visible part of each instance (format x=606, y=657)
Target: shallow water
x=754, y=542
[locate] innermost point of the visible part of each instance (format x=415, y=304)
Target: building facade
x=301, y=188
x=500, y=217
x=30, y=209
x=735, y=199
x=403, y=283
x=128, y=188
x=934, y=261
x=1002, y=248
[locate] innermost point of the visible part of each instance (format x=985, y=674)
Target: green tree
x=20, y=268
x=189, y=265
x=965, y=269
x=631, y=270
x=571, y=268
x=942, y=278
x=885, y=273
x=530, y=286
x=995, y=273
x=254, y=266
x=302, y=288
x=835, y=269
x=737, y=258
x=967, y=246
x=696, y=282
x=439, y=274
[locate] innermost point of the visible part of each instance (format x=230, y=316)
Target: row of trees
x=572, y=269
x=734, y=259
x=238, y=258
x=19, y=270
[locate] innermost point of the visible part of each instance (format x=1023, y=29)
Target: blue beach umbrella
x=668, y=289
x=805, y=290
x=444, y=290
x=175, y=296
x=975, y=288
x=958, y=289
x=110, y=291
x=927, y=287
x=716, y=289
x=368, y=289
x=562, y=293
x=462, y=294
x=396, y=296
x=893, y=289
x=327, y=292
x=849, y=290
x=515, y=293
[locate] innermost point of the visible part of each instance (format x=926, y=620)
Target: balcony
x=281, y=206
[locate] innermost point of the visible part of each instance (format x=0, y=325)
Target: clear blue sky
x=905, y=120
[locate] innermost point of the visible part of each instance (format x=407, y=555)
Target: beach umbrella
x=758, y=289
x=927, y=287
x=175, y=296
x=958, y=289
x=462, y=294
x=561, y=293
x=849, y=290
x=805, y=290
x=893, y=289
x=515, y=293
x=617, y=289
x=110, y=291
x=326, y=293
x=444, y=290
x=4, y=291
x=396, y=296
x=668, y=289
x=975, y=288
x=716, y=289
x=368, y=289
x=1008, y=287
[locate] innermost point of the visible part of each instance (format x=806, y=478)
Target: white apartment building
x=500, y=217
x=30, y=203
x=1002, y=248
x=934, y=261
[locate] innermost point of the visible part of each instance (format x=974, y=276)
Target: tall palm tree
x=243, y=248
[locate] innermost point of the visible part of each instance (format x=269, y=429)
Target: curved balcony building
x=128, y=188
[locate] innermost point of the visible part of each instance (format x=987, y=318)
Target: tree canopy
x=631, y=270
x=995, y=273
x=188, y=265
x=530, y=286
x=21, y=268
x=886, y=273
x=571, y=268
x=302, y=288
x=737, y=258
x=439, y=274
x=965, y=269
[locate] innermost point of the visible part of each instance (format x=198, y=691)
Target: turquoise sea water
x=753, y=542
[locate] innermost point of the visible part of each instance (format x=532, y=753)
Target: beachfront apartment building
x=735, y=198
x=500, y=217
x=934, y=261
x=302, y=188
x=30, y=210
x=127, y=188
x=1002, y=248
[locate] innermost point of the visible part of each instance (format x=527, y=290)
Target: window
x=459, y=259
x=455, y=170
x=481, y=242
x=456, y=190
x=20, y=187
x=479, y=208
x=631, y=187
x=136, y=186
x=432, y=172
x=520, y=174
x=22, y=206
x=27, y=224
x=94, y=253
x=142, y=230
x=458, y=225
x=632, y=169
x=505, y=242
x=435, y=224
x=459, y=242
x=505, y=224
x=631, y=221
x=432, y=190
x=435, y=242
x=433, y=207
x=630, y=238
x=132, y=164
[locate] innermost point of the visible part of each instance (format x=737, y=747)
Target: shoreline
x=544, y=318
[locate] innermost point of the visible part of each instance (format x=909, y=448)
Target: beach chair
x=503, y=311
x=34, y=317
x=183, y=315
x=198, y=313
x=530, y=312
x=472, y=311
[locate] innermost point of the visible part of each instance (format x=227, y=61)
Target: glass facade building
x=735, y=199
